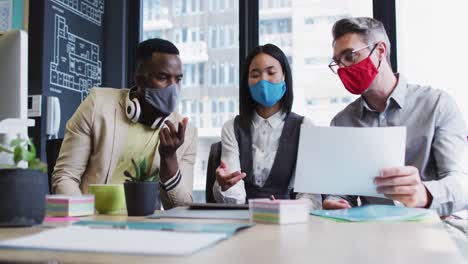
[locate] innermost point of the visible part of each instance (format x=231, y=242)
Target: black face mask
x=163, y=99
x=149, y=116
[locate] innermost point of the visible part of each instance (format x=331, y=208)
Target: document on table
x=345, y=160
x=227, y=228
x=85, y=239
x=378, y=213
x=185, y=212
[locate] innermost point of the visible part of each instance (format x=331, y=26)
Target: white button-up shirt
x=265, y=141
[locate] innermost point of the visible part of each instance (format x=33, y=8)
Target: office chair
x=214, y=159
x=52, y=153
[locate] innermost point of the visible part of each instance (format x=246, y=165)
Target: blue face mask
x=267, y=93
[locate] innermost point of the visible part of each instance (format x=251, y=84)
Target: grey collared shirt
x=435, y=142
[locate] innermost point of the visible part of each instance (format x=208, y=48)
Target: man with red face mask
x=434, y=176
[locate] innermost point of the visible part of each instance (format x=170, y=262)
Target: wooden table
x=318, y=241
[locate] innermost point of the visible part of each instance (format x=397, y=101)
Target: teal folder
x=369, y=213
x=228, y=229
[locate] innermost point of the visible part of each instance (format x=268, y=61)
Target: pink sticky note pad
x=61, y=219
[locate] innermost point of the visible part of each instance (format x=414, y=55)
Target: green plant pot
x=142, y=198
x=22, y=197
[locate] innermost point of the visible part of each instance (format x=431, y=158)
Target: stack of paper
x=65, y=205
x=369, y=213
x=278, y=211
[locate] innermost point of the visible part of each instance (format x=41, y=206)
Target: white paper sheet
x=345, y=160
x=79, y=238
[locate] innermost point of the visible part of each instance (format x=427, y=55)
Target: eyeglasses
x=348, y=58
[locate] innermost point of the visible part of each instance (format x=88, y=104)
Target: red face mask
x=358, y=77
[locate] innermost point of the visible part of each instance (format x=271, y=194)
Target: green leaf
x=17, y=155
x=29, y=155
x=17, y=142
x=155, y=174
x=24, y=150
x=137, y=170
x=143, y=169
x=36, y=164
x=5, y=149
x=129, y=176
x=7, y=166
x=151, y=179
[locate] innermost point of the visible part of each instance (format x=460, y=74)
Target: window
x=232, y=36
x=200, y=107
x=184, y=107
x=232, y=73
x=193, y=108
x=214, y=5
x=177, y=36
x=177, y=7
x=201, y=5
x=213, y=37
x=184, y=34
x=193, y=35
x=194, y=5
x=221, y=107
x=193, y=69
x=214, y=107
x=221, y=73
x=187, y=72
x=184, y=6
x=430, y=45
x=213, y=74
x=201, y=74
x=231, y=106
x=221, y=37
x=201, y=34
x=317, y=91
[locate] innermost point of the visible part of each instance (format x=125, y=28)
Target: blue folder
x=228, y=229
x=369, y=213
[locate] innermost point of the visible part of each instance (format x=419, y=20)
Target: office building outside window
x=302, y=29
x=206, y=34
x=431, y=37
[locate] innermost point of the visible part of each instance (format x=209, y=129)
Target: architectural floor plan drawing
x=91, y=10
x=5, y=15
x=76, y=65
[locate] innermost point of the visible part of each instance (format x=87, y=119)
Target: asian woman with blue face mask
x=259, y=146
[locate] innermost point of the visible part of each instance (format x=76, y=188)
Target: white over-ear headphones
x=132, y=107
x=133, y=111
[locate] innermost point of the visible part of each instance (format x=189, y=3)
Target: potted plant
x=22, y=190
x=141, y=190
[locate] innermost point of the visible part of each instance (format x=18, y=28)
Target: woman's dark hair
x=246, y=104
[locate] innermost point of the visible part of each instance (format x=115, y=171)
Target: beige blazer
x=94, y=139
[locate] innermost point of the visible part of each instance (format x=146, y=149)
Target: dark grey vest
x=285, y=160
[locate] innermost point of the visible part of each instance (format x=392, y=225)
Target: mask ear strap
x=380, y=62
